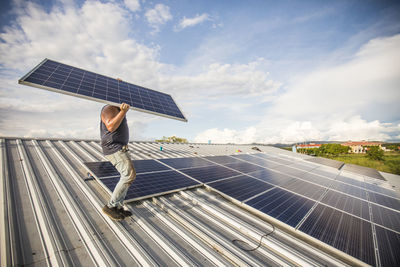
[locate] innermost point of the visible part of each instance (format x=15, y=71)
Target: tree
x=375, y=153
x=172, y=139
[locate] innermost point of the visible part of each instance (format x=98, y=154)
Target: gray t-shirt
x=112, y=142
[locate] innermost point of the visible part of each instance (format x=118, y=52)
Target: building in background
x=310, y=145
x=362, y=146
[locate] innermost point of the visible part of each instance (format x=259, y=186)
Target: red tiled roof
x=362, y=143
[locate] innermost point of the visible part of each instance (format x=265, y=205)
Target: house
x=311, y=145
x=361, y=146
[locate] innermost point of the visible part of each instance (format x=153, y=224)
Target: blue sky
x=241, y=71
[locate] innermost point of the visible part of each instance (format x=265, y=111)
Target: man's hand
x=124, y=107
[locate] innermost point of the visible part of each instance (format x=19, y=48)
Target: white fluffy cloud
x=189, y=22
x=158, y=16
x=333, y=103
x=132, y=5
x=95, y=36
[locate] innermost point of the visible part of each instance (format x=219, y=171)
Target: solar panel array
x=340, y=209
x=65, y=79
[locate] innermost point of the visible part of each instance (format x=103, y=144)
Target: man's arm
x=112, y=118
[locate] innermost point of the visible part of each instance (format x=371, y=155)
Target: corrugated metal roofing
x=51, y=215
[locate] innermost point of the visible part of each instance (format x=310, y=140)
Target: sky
x=241, y=71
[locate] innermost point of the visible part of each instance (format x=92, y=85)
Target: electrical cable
x=235, y=241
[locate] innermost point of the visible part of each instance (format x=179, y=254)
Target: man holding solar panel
x=114, y=134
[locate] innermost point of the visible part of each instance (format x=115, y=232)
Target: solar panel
x=347, y=203
x=181, y=163
x=223, y=159
x=153, y=184
x=386, y=217
x=342, y=231
x=384, y=200
x=101, y=169
x=104, y=169
x=241, y=187
x=389, y=246
x=272, y=177
x=304, y=188
x=244, y=167
x=282, y=205
x=65, y=79
x=210, y=173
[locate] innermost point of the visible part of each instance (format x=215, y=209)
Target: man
x=114, y=134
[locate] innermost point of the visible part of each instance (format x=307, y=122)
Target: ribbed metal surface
x=51, y=215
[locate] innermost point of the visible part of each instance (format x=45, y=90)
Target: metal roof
x=51, y=215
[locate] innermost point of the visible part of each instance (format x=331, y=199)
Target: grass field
x=390, y=164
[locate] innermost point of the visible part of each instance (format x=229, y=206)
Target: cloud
x=158, y=16
x=355, y=100
x=189, y=22
x=132, y=5
x=95, y=36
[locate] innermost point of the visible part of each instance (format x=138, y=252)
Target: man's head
x=110, y=111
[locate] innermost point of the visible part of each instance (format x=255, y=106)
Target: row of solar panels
x=329, y=206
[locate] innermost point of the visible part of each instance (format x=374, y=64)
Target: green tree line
x=325, y=150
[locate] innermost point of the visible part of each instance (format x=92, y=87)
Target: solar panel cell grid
x=272, y=177
x=240, y=188
x=244, y=167
x=282, y=205
x=349, y=189
x=181, y=163
x=149, y=184
x=386, y=217
x=347, y=203
x=342, y=231
x=384, y=200
x=304, y=188
x=66, y=79
x=223, y=159
x=210, y=173
x=389, y=246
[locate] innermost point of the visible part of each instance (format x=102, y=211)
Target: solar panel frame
x=53, y=86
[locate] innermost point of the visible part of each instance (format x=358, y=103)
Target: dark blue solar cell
x=244, y=167
x=180, y=163
x=389, y=246
x=102, y=169
x=349, y=189
x=282, y=205
x=258, y=161
x=304, y=188
x=290, y=171
x=152, y=184
x=210, y=173
x=384, y=191
x=327, y=174
x=342, y=231
x=350, y=181
x=282, y=161
x=69, y=79
x=386, y=217
x=272, y=177
x=316, y=179
x=148, y=166
x=347, y=203
x=384, y=200
x=241, y=187
x=223, y=159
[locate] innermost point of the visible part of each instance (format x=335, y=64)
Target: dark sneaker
x=125, y=213
x=113, y=213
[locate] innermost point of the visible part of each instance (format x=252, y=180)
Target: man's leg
x=123, y=164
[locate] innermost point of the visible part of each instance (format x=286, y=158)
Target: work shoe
x=113, y=213
x=125, y=213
